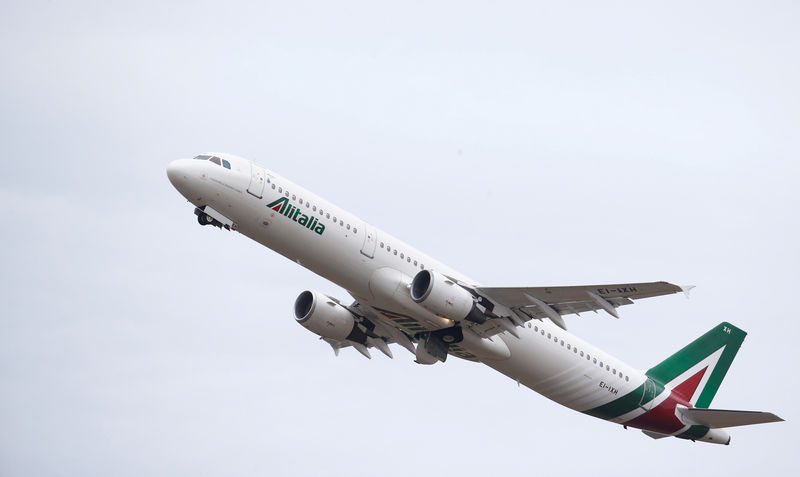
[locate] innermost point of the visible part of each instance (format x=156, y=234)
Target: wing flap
x=528, y=303
x=512, y=296
x=574, y=299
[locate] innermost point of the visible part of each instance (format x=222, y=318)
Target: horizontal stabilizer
x=720, y=418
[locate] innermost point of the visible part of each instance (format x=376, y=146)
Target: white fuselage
x=544, y=358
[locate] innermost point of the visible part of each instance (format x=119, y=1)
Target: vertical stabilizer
x=705, y=361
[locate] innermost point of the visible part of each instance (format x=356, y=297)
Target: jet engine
x=325, y=317
x=442, y=296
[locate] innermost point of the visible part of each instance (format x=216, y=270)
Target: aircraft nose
x=177, y=172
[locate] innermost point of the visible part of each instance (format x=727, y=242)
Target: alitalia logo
x=283, y=207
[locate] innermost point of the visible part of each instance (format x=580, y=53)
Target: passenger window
x=594, y=360
x=549, y=336
x=395, y=251
x=607, y=367
x=334, y=218
x=341, y=222
x=348, y=226
x=388, y=248
x=355, y=230
x=402, y=256
x=569, y=346
x=562, y=342
x=215, y=160
x=422, y=266
x=301, y=201
x=536, y=329
x=614, y=371
x=542, y=331
x=529, y=325
x=328, y=216
x=601, y=364
x=415, y=263
x=575, y=350
x=314, y=208
x=626, y=378
x=280, y=189
x=408, y=260
x=294, y=197
x=273, y=186
x=581, y=354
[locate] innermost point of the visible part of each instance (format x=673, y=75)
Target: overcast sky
x=521, y=143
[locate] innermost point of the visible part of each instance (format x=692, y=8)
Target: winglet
x=686, y=289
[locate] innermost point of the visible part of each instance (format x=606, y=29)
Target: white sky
x=521, y=143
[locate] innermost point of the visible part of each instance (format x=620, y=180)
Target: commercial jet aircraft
x=405, y=297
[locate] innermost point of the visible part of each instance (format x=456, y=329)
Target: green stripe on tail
x=724, y=334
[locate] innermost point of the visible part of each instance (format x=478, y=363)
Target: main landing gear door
x=370, y=239
x=257, y=175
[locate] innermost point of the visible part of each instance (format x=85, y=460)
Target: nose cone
x=178, y=172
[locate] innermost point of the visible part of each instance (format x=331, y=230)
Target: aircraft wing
x=552, y=302
x=378, y=329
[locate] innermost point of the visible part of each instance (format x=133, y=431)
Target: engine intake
x=323, y=316
x=442, y=296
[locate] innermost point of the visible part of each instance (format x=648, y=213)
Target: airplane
x=404, y=297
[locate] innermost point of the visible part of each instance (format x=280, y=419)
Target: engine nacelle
x=443, y=297
x=323, y=316
x=390, y=288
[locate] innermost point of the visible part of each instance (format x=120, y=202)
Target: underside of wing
x=492, y=310
x=575, y=299
x=552, y=302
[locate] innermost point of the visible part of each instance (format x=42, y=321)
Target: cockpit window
x=216, y=160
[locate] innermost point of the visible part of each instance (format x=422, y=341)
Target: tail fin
x=700, y=366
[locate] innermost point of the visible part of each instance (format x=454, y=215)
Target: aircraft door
x=257, y=175
x=370, y=240
x=648, y=395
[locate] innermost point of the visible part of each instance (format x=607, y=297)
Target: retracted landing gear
x=205, y=219
x=208, y=216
